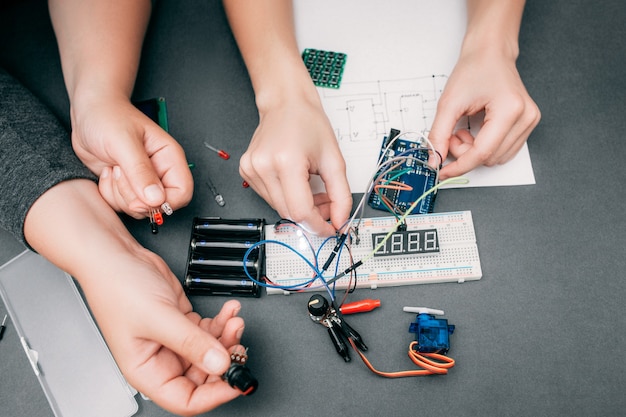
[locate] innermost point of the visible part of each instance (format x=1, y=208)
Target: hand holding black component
x=322, y=312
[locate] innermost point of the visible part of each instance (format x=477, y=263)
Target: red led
x=158, y=218
x=221, y=153
x=245, y=184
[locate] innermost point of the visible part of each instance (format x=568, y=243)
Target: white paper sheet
x=399, y=55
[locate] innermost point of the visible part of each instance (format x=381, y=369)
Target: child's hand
x=292, y=142
x=489, y=82
x=164, y=349
x=139, y=164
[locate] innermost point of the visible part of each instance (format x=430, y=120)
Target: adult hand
x=483, y=80
x=139, y=164
x=164, y=349
x=292, y=142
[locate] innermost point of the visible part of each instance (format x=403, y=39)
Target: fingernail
x=240, y=332
x=105, y=173
x=215, y=361
x=153, y=193
x=117, y=172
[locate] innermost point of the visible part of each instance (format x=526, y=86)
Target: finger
x=185, y=397
x=217, y=324
x=298, y=198
x=495, y=128
x=270, y=190
x=178, y=186
x=171, y=166
x=107, y=189
x=460, y=143
x=338, y=192
x=276, y=197
x=175, y=331
x=129, y=201
x=110, y=187
x=520, y=134
x=514, y=150
x=226, y=327
x=443, y=125
x=322, y=202
x=267, y=186
x=138, y=169
x=254, y=180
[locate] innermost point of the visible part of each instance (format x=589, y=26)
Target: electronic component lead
x=221, y=153
x=238, y=375
x=218, y=197
x=156, y=219
x=3, y=326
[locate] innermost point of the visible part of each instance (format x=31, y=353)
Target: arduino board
x=411, y=170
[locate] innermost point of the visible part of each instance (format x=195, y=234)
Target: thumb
x=184, y=337
x=140, y=173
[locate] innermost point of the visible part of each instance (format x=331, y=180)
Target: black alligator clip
x=326, y=314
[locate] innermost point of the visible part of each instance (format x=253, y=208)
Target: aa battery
x=231, y=228
x=209, y=285
x=216, y=264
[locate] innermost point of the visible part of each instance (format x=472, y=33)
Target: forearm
x=73, y=227
x=100, y=44
x=265, y=34
x=493, y=25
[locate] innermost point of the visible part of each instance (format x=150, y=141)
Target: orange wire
x=439, y=366
x=391, y=185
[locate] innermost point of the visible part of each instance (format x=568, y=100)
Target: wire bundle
x=349, y=231
x=429, y=363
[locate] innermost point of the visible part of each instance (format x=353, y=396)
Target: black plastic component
x=215, y=264
x=326, y=314
x=239, y=376
x=318, y=305
x=353, y=334
x=340, y=345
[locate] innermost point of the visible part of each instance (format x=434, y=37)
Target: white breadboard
x=457, y=260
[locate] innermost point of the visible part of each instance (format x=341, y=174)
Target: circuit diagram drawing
x=365, y=111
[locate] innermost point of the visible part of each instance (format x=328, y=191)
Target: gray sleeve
x=35, y=154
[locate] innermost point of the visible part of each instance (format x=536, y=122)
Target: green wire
x=453, y=180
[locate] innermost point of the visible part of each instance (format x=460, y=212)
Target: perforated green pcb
x=325, y=67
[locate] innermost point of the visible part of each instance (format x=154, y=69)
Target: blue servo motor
x=431, y=334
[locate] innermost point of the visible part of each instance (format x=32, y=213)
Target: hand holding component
x=291, y=144
x=164, y=349
x=140, y=165
x=485, y=78
x=238, y=375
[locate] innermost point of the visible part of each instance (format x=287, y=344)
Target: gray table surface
x=542, y=333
